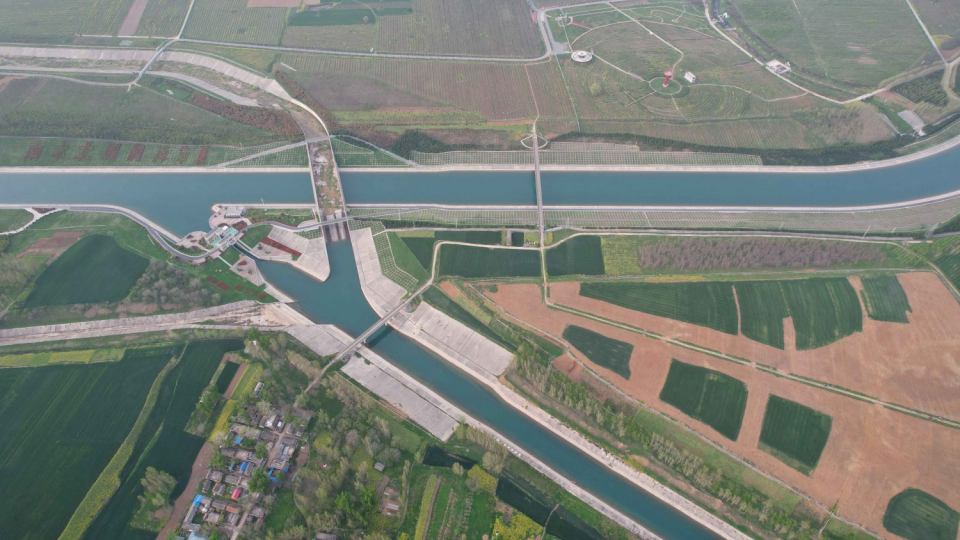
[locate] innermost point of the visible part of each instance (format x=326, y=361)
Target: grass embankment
x=13, y=219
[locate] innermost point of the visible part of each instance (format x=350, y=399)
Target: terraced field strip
x=86, y=356
x=794, y=433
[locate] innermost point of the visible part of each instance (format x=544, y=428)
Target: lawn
x=13, y=219
x=715, y=399
x=94, y=270
x=824, y=310
x=705, y=304
x=601, y=350
x=61, y=425
x=164, y=444
x=762, y=310
x=885, y=299
x=793, y=433
x=581, y=255
x=254, y=235
x=835, y=42
x=479, y=262
x=916, y=515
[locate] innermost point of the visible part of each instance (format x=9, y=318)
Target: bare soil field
x=872, y=454
x=54, y=245
x=916, y=365
x=132, y=20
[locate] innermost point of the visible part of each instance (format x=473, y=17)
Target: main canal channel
x=180, y=202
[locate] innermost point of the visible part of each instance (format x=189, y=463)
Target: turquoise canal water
x=919, y=179
x=340, y=301
x=179, y=202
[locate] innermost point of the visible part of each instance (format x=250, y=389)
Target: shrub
x=485, y=481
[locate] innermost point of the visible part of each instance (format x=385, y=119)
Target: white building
x=581, y=57
x=690, y=77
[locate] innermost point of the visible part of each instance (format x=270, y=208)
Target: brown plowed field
x=916, y=365
x=54, y=245
x=872, y=454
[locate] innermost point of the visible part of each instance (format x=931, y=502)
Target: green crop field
x=61, y=425
x=163, y=18
x=421, y=247
x=46, y=21
x=917, y=515
x=601, y=350
x=420, y=243
x=94, y=270
x=581, y=255
x=705, y=304
x=480, y=262
x=885, y=299
x=164, y=444
x=824, y=310
x=794, y=434
x=232, y=21
x=715, y=399
x=13, y=219
x=762, y=310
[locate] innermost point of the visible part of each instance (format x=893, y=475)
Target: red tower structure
x=667, y=73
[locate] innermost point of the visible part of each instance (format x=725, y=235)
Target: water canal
x=353, y=315
x=934, y=175
x=181, y=203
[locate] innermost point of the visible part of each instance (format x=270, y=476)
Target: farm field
x=762, y=310
x=59, y=22
x=861, y=467
x=709, y=396
x=940, y=18
x=444, y=27
x=94, y=270
x=580, y=255
x=914, y=514
x=653, y=255
x=169, y=449
x=85, y=356
x=600, y=349
x=56, y=108
x=476, y=262
x=836, y=44
x=421, y=243
x=884, y=298
x=824, y=310
x=907, y=364
x=706, y=304
x=794, y=434
x=62, y=425
x=162, y=19
x=232, y=21
x=14, y=219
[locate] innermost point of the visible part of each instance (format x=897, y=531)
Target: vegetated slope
x=94, y=270
x=444, y=303
x=885, y=299
x=169, y=449
x=581, y=255
x=600, y=349
x=824, y=310
x=60, y=426
x=407, y=260
x=474, y=262
x=715, y=399
x=917, y=515
x=762, y=310
x=793, y=433
x=706, y=304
